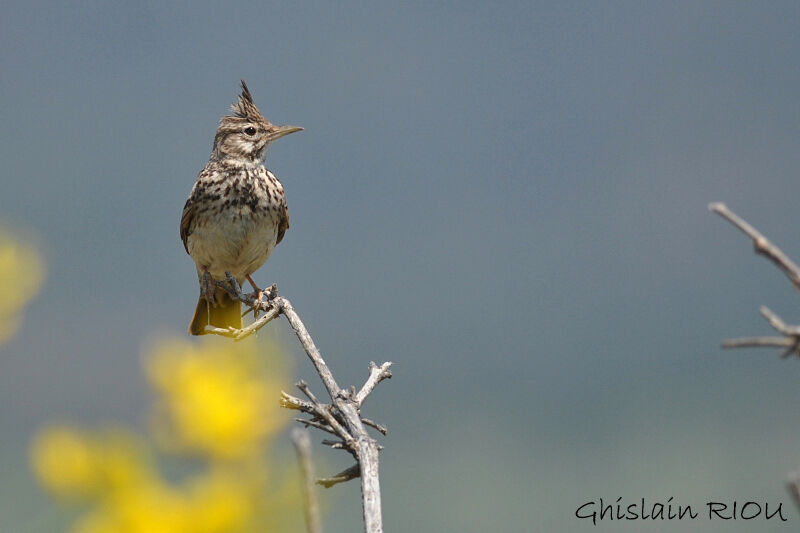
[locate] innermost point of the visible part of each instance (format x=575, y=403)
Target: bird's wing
x=186, y=221
x=283, y=223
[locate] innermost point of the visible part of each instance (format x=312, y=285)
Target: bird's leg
x=253, y=283
x=262, y=296
x=207, y=286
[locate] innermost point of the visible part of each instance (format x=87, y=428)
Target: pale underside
x=237, y=241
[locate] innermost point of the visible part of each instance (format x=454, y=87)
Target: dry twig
x=302, y=444
x=341, y=477
x=790, y=339
x=761, y=244
x=342, y=417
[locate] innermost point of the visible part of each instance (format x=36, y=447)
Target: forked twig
x=790, y=340
x=342, y=417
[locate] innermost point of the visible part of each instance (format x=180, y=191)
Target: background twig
x=302, y=444
x=790, y=341
x=761, y=244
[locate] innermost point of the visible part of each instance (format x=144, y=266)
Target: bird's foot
x=207, y=287
x=261, y=297
x=266, y=294
x=231, y=286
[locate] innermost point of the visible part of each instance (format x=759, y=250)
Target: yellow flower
x=21, y=275
x=75, y=464
x=218, y=400
x=218, y=397
x=222, y=502
x=217, y=501
x=148, y=508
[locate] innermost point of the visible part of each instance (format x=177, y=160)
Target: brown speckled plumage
x=236, y=213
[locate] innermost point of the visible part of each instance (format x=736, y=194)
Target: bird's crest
x=245, y=107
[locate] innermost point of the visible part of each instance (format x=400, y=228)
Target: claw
x=231, y=286
x=261, y=296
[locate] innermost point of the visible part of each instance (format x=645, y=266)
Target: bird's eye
x=250, y=131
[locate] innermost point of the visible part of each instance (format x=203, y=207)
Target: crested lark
x=236, y=213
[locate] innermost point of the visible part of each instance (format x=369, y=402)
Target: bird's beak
x=276, y=132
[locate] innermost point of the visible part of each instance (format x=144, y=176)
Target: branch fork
x=342, y=416
x=790, y=339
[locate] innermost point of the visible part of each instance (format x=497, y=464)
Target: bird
x=236, y=213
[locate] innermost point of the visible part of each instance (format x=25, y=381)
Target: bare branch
x=791, y=334
x=370, y=423
x=790, y=350
x=790, y=341
x=317, y=424
x=292, y=402
x=231, y=333
x=302, y=444
x=376, y=375
x=308, y=345
x=364, y=447
x=267, y=317
x=343, y=476
x=778, y=324
x=758, y=342
x=324, y=411
x=342, y=416
x=761, y=244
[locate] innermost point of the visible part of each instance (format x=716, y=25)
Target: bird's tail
x=227, y=313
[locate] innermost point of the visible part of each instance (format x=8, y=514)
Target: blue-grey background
x=508, y=200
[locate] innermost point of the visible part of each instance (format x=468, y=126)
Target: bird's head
x=245, y=136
